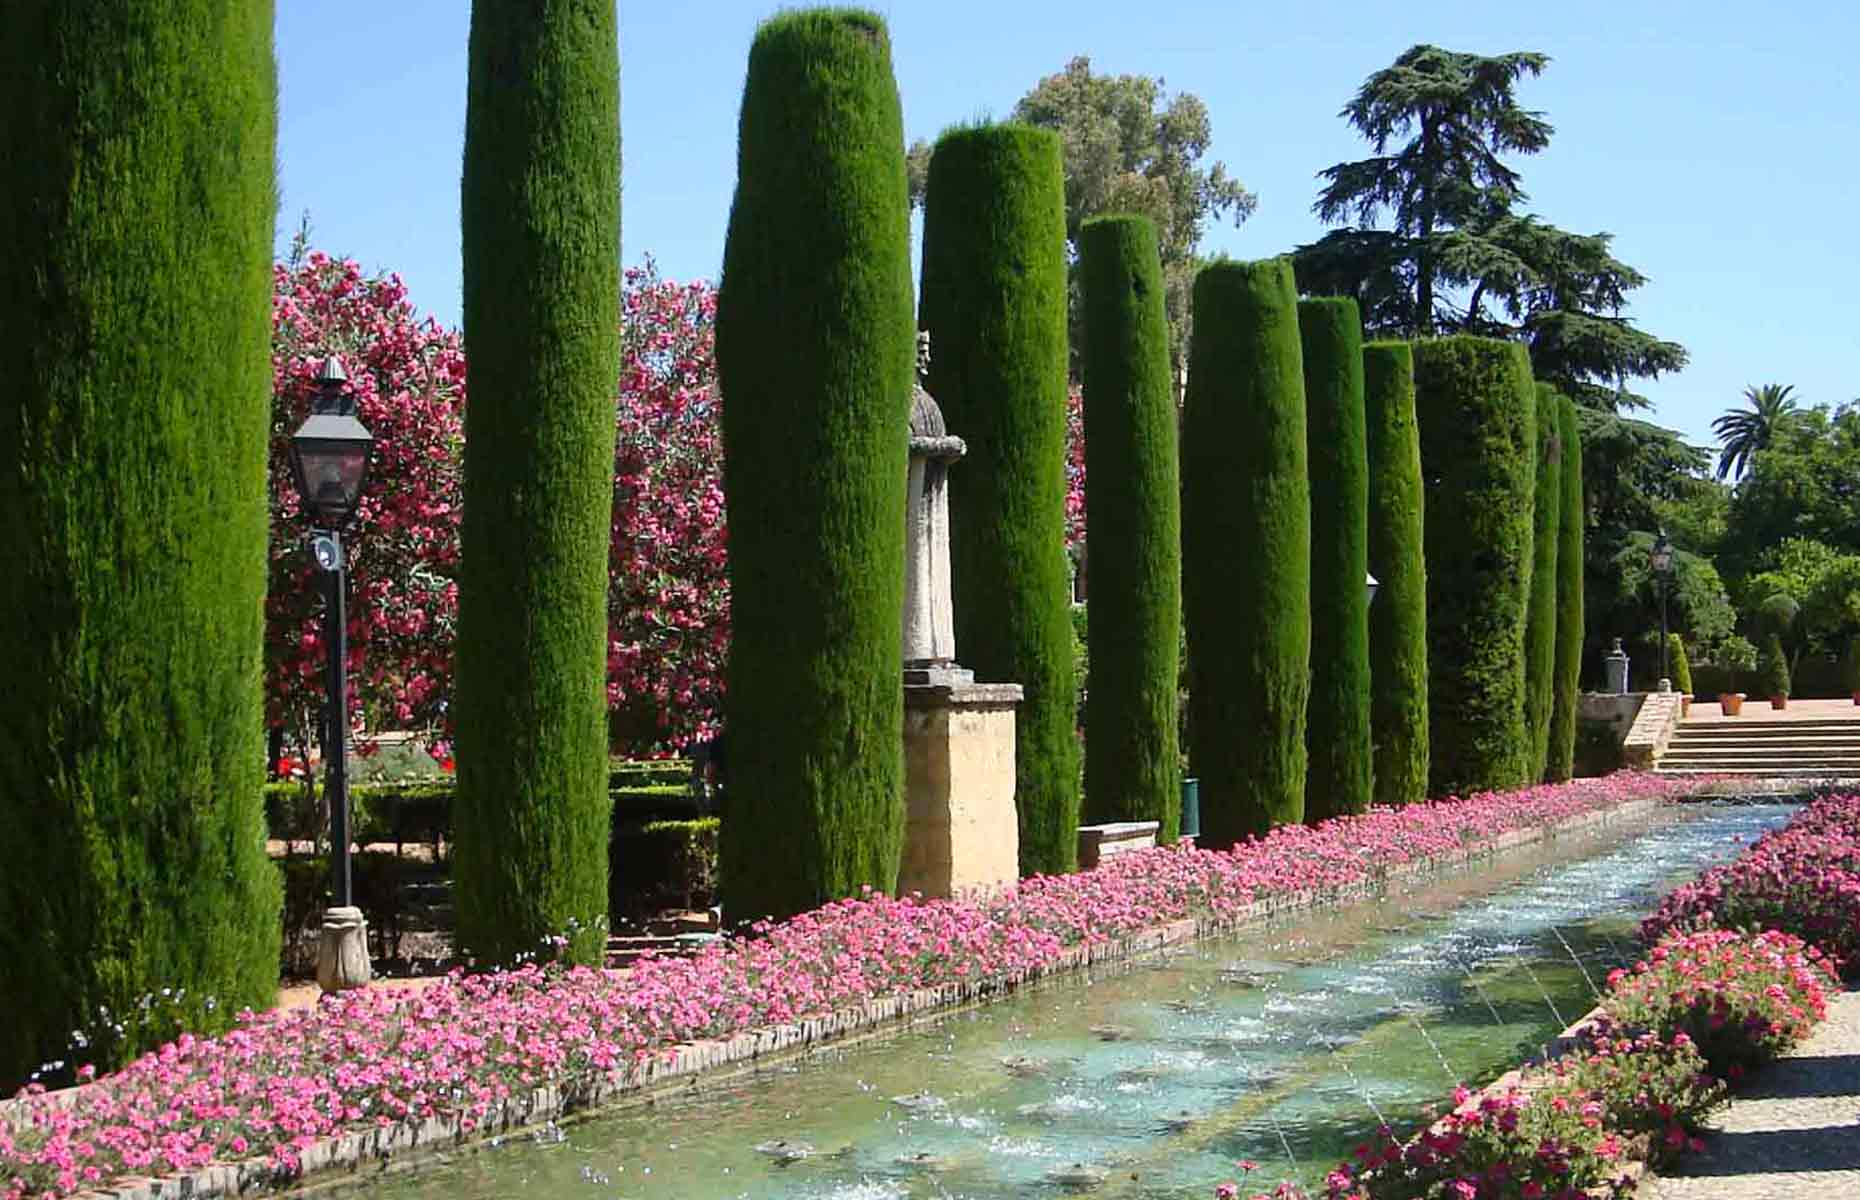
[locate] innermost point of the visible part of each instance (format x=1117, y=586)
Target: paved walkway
x=1794, y=1130
x=1707, y=712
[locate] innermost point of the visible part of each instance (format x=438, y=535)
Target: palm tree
x=1744, y=433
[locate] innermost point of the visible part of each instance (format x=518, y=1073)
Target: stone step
x=1762, y=769
x=1768, y=773
x=1747, y=725
x=1768, y=745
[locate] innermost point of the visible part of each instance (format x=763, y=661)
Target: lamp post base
x=342, y=952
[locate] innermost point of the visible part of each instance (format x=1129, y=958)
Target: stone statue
x=929, y=615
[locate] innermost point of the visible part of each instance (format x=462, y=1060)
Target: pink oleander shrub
x=281, y=1080
x=1744, y=998
x=1803, y=879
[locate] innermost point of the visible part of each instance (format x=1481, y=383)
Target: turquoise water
x=1285, y=1045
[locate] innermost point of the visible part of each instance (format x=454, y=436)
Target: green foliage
x=994, y=302
x=1398, y=617
x=1627, y=595
x=540, y=229
x=815, y=421
x=1134, y=531
x=1441, y=123
x=1736, y=655
x=1773, y=670
x=1337, y=730
x=1850, y=665
x=1743, y=433
x=1678, y=664
x=1800, y=486
x=1128, y=147
x=664, y=863
x=1247, y=550
x=1541, y=605
x=1570, y=567
x=135, y=292
x=1475, y=401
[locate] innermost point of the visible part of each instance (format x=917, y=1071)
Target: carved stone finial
x=923, y=354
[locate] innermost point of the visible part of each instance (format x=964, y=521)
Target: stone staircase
x=1759, y=746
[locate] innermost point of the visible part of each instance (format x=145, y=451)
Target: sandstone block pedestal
x=961, y=834
x=342, y=952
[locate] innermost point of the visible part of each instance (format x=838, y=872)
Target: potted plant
x=1736, y=655
x=1850, y=667
x=1775, y=673
x=1681, y=668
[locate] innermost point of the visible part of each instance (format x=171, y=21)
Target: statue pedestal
x=342, y=952
x=961, y=835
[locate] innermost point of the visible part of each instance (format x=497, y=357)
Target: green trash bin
x=1191, y=808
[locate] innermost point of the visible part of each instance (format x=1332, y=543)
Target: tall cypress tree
x=136, y=295
x=1569, y=615
x=1540, y=623
x=1337, y=721
x=540, y=219
x=815, y=354
x=1133, y=527
x=994, y=302
x=1474, y=399
x=1246, y=549
x=1398, y=618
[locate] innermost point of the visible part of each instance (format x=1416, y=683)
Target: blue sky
x=1720, y=143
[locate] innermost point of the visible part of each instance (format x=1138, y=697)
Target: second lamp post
x=329, y=458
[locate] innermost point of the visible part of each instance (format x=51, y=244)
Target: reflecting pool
x=1285, y=1045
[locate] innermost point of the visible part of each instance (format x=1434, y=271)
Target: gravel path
x=1793, y=1131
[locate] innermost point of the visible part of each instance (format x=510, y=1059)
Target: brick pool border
x=352, y=1158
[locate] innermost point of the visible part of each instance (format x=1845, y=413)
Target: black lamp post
x=329, y=459
x=1661, y=559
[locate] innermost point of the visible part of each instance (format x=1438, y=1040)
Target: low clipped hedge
x=421, y=811
x=663, y=863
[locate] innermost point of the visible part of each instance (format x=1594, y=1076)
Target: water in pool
x=1285, y=1045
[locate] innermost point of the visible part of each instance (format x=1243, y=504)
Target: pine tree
x=994, y=302
x=540, y=224
x=1540, y=619
x=1569, y=615
x=1133, y=528
x=816, y=346
x=1398, y=618
x=137, y=212
x=1475, y=401
x=1246, y=550
x=1337, y=722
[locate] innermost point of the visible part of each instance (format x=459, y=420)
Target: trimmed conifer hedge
x=1398, y=617
x=1569, y=615
x=540, y=226
x=1475, y=400
x=135, y=321
x=1133, y=528
x=1246, y=550
x=1337, y=731
x=1540, y=617
x=994, y=302
x=816, y=349
x=1679, y=664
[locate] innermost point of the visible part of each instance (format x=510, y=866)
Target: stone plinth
x=342, y=952
x=1099, y=842
x=961, y=835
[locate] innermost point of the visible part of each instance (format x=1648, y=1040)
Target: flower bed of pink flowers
x=1803, y=878
x=1634, y=1087
x=279, y=1082
x=1704, y=1002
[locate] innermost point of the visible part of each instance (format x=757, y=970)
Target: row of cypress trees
x=135, y=303
x=138, y=295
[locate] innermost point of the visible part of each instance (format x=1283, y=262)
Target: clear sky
x=1719, y=142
